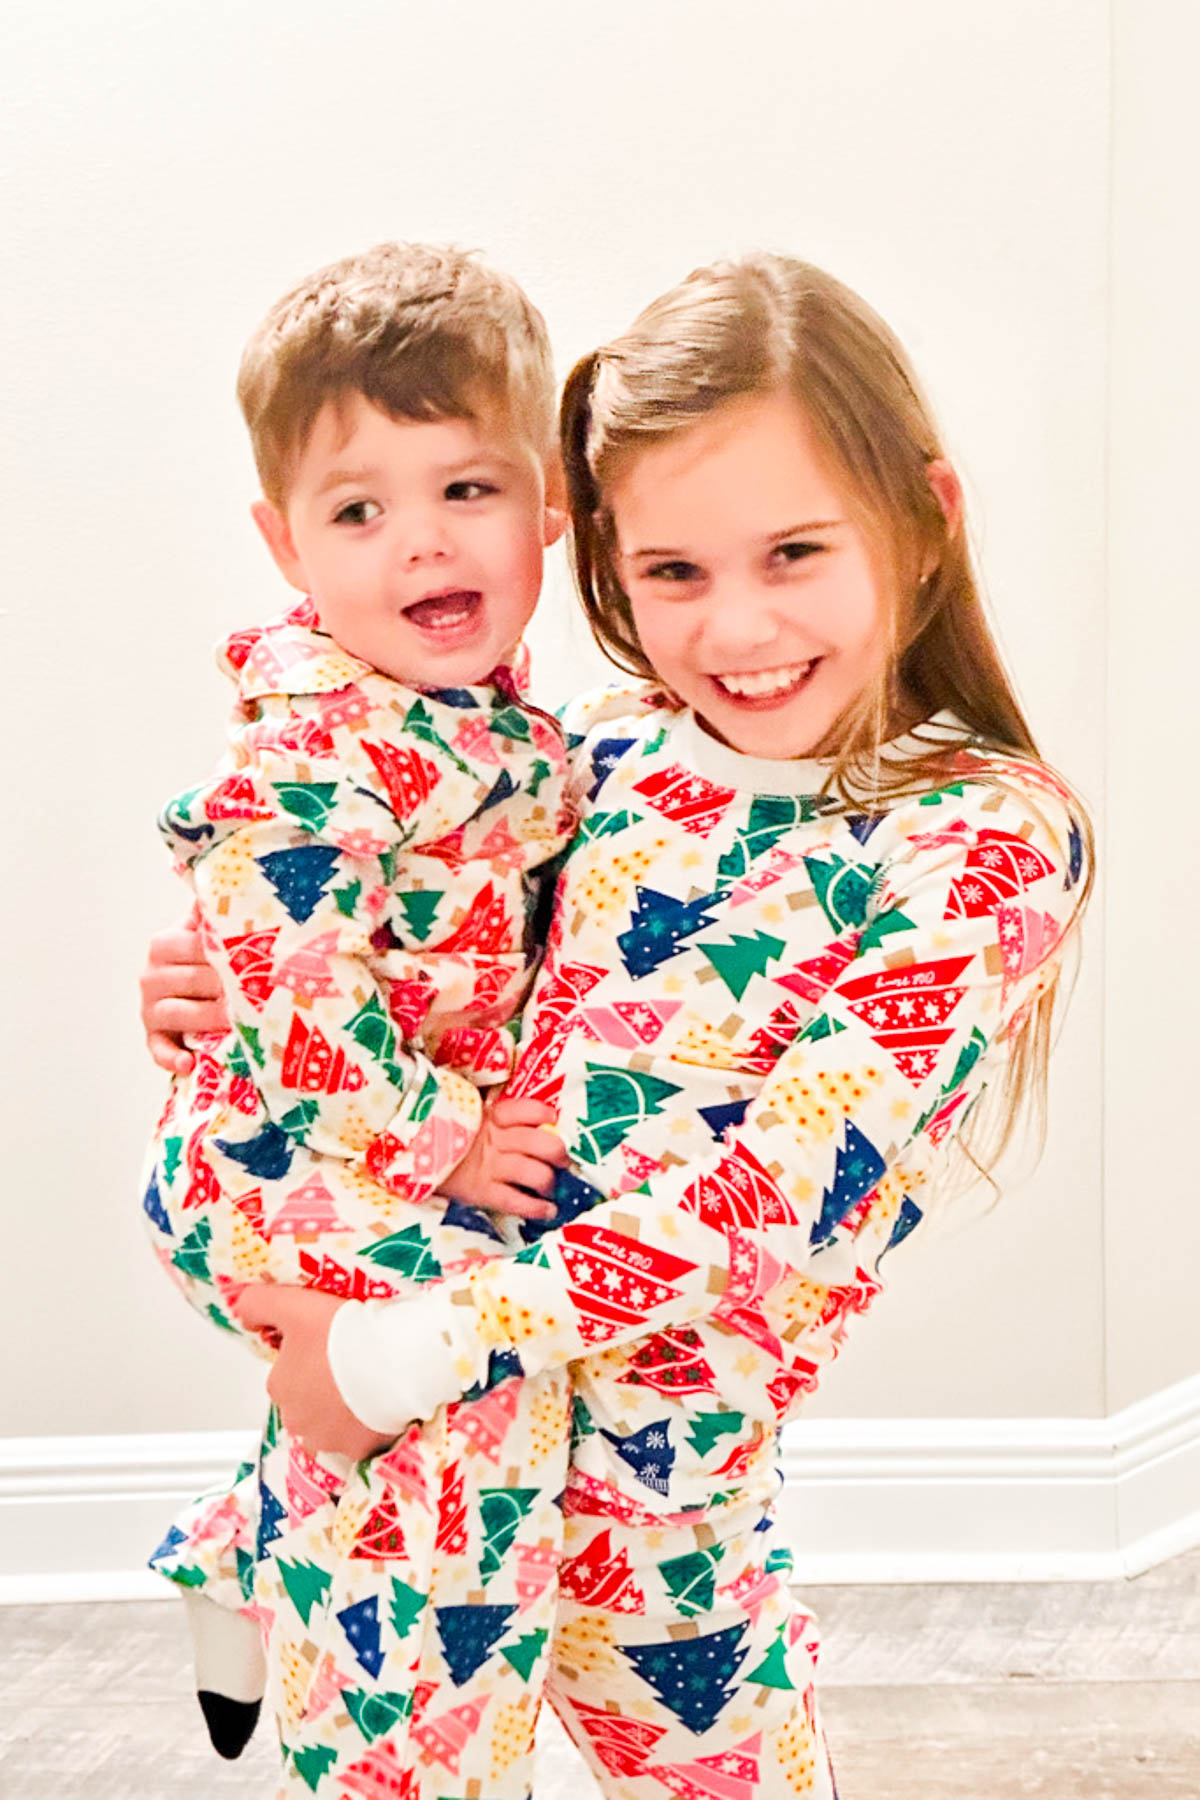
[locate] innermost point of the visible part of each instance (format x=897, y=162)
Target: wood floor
x=930, y=1693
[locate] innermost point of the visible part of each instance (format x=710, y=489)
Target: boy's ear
x=947, y=491
x=555, y=506
x=277, y=535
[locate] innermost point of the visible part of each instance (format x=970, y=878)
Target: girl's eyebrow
x=772, y=537
x=794, y=531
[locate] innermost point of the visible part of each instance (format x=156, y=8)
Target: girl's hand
x=512, y=1151
x=301, y=1383
x=180, y=992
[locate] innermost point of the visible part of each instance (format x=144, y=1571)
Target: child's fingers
x=169, y=1053
x=506, y=1199
x=524, y=1172
x=536, y=1143
x=508, y=1112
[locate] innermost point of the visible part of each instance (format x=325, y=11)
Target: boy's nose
x=422, y=539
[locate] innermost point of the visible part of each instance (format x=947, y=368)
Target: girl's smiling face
x=756, y=595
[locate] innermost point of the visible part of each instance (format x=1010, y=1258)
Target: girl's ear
x=554, y=517
x=947, y=491
x=277, y=536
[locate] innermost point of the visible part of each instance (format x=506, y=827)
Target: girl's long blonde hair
x=768, y=324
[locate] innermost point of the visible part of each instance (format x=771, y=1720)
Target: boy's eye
x=675, y=569
x=797, y=550
x=357, y=512
x=470, y=490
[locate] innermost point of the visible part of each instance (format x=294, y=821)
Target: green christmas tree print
x=310, y=803
x=420, y=910
x=408, y=1603
x=706, y=1428
x=307, y=1586
x=523, y=1655
x=618, y=1100
x=742, y=958
x=691, y=1579
x=501, y=1511
x=408, y=1252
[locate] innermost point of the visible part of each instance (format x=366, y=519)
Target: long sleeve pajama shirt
x=761, y=1016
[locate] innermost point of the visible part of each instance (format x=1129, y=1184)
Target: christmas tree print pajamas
x=760, y=1017
x=367, y=863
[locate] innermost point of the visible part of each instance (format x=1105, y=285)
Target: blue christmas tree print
x=501, y=788
x=605, y=757
x=649, y=1453
x=267, y=1156
x=660, y=926
x=300, y=876
x=720, y=1118
x=570, y=1197
x=468, y=1634
x=154, y=1209
x=361, y=1626
x=858, y=1169
x=907, y=1219
x=272, y=1516
x=690, y=1675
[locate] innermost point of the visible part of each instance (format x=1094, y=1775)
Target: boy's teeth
x=443, y=609
x=765, y=681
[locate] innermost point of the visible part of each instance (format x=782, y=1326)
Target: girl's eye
x=797, y=550
x=470, y=490
x=357, y=512
x=675, y=570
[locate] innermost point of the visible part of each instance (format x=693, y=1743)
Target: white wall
x=169, y=171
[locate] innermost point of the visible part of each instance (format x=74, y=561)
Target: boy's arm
x=887, y=1063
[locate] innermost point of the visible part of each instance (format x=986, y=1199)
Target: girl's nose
x=738, y=624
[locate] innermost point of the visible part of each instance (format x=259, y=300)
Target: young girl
x=817, y=906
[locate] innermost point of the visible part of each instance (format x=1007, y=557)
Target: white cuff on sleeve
x=399, y=1360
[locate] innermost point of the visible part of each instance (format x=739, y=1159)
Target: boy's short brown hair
x=422, y=331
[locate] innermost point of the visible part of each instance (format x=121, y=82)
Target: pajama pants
x=426, y=1571
x=413, y=1666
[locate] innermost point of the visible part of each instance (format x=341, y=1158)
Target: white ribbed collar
x=696, y=749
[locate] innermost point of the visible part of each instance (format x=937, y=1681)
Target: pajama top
x=367, y=861
x=761, y=1014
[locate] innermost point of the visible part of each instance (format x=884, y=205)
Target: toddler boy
x=366, y=864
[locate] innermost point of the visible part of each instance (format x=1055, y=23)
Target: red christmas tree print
x=408, y=777
x=487, y=925
x=443, y=1739
x=235, y=798
x=671, y=1362
x=536, y=1075
x=615, y=1280
x=313, y=1066
x=382, y=1535
x=998, y=867
x=600, y=1576
x=452, y=1512
x=621, y=1744
x=250, y=959
x=738, y=1192
x=906, y=1009
x=687, y=798
x=349, y=1284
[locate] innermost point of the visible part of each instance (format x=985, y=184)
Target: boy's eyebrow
x=772, y=537
x=366, y=472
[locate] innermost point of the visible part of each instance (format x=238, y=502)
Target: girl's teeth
x=765, y=681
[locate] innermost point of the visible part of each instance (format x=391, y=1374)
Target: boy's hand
x=512, y=1151
x=180, y=992
x=300, y=1383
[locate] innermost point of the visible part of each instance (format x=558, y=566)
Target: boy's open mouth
x=448, y=615
x=764, y=688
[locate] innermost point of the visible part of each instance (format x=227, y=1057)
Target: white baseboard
x=870, y=1500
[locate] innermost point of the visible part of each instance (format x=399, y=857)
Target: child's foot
x=231, y=1673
